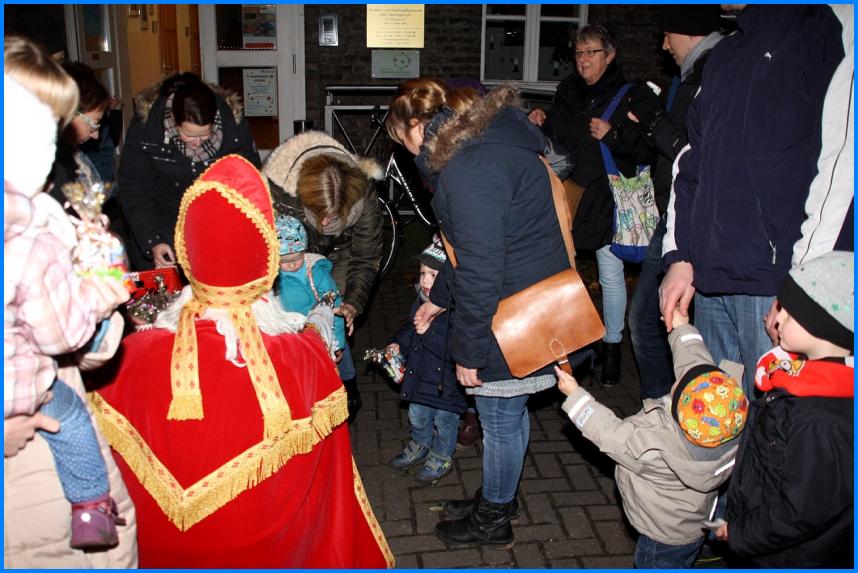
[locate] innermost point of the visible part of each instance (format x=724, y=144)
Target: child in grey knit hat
x=790, y=502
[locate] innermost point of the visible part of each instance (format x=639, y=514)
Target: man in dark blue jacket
x=738, y=197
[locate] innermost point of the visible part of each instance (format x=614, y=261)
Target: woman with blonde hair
x=494, y=205
x=331, y=191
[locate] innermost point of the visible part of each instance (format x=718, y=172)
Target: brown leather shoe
x=469, y=430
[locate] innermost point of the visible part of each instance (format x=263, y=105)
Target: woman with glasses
x=71, y=164
x=574, y=123
x=181, y=126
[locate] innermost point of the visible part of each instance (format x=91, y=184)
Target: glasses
x=89, y=122
x=587, y=53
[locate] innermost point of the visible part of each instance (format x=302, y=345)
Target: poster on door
x=259, y=26
x=260, y=92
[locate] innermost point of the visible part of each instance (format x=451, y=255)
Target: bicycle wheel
x=391, y=237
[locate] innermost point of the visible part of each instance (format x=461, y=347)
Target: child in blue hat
x=305, y=278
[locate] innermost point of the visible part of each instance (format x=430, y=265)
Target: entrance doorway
x=257, y=50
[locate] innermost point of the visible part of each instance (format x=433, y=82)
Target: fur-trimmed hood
x=144, y=101
x=284, y=164
x=458, y=129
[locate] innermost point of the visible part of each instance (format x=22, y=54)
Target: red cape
x=212, y=492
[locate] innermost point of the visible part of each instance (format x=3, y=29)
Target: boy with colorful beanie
x=672, y=455
x=790, y=502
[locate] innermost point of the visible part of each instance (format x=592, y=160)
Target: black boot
x=488, y=524
x=353, y=398
x=459, y=508
x=611, y=362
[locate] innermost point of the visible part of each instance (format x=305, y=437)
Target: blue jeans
x=346, y=367
x=649, y=337
x=732, y=327
x=506, y=433
x=77, y=456
x=613, y=282
x=651, y=554
x=434, y=428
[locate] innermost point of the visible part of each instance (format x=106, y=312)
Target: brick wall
x=452, y=48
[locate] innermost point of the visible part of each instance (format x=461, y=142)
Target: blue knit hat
x=291, y=234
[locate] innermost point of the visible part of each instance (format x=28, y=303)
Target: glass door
x=91, y=29
x=257, y=51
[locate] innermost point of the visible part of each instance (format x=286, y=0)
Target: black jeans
x=649, y=337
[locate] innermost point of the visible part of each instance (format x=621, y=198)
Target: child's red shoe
x=94, y=523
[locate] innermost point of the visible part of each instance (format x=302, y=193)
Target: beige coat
x=36, y=514
x=668, y=488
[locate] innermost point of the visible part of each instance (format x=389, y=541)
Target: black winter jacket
x=754, y=132
x=495, y=206
x=790, y=502
x=429, y=373
x=668, y=134
x=568, y=125
x=153, y=175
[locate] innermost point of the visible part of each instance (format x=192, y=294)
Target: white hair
x=267, y=311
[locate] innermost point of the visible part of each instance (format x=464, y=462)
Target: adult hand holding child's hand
x=679, y=319
x=425, y=315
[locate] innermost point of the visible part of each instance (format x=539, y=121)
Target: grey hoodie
x=668, y=485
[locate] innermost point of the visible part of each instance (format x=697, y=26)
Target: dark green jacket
x=356, y=250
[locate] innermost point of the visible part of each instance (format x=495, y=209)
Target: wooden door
x=169, y=39
x=194, y=33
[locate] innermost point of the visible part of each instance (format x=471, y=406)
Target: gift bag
x=635, y=213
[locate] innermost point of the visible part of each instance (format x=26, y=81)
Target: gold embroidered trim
x=360, y=494
x=187, y=402
x=187, y=507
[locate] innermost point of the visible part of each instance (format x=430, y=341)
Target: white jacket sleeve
x=831, y=191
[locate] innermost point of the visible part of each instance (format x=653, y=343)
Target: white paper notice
x=260, y=92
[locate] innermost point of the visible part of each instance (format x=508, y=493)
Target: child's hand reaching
x=679, y=319
x=566, y=382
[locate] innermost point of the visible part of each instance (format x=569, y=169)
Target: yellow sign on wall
x=394, y=25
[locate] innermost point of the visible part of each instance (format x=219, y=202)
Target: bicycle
x=398, y=199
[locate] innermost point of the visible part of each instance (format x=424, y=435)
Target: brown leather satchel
x=550, y=319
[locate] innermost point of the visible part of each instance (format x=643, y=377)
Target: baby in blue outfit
x=304, y=277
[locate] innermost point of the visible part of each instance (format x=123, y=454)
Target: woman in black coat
x=575, y=124
x=180, y=127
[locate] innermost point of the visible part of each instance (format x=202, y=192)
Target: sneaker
x=412, y=455
x=94, y=523
x=434, y=469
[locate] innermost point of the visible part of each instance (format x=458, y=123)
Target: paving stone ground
x=570, y=513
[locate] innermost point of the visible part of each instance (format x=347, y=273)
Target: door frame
x=119, y=81
x=288, y=59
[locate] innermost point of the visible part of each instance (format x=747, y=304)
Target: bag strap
x=615, y=102
x=607, y=158
x=564, y=217
x=564, y=214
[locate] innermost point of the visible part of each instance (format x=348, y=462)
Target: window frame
x=530, y=60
